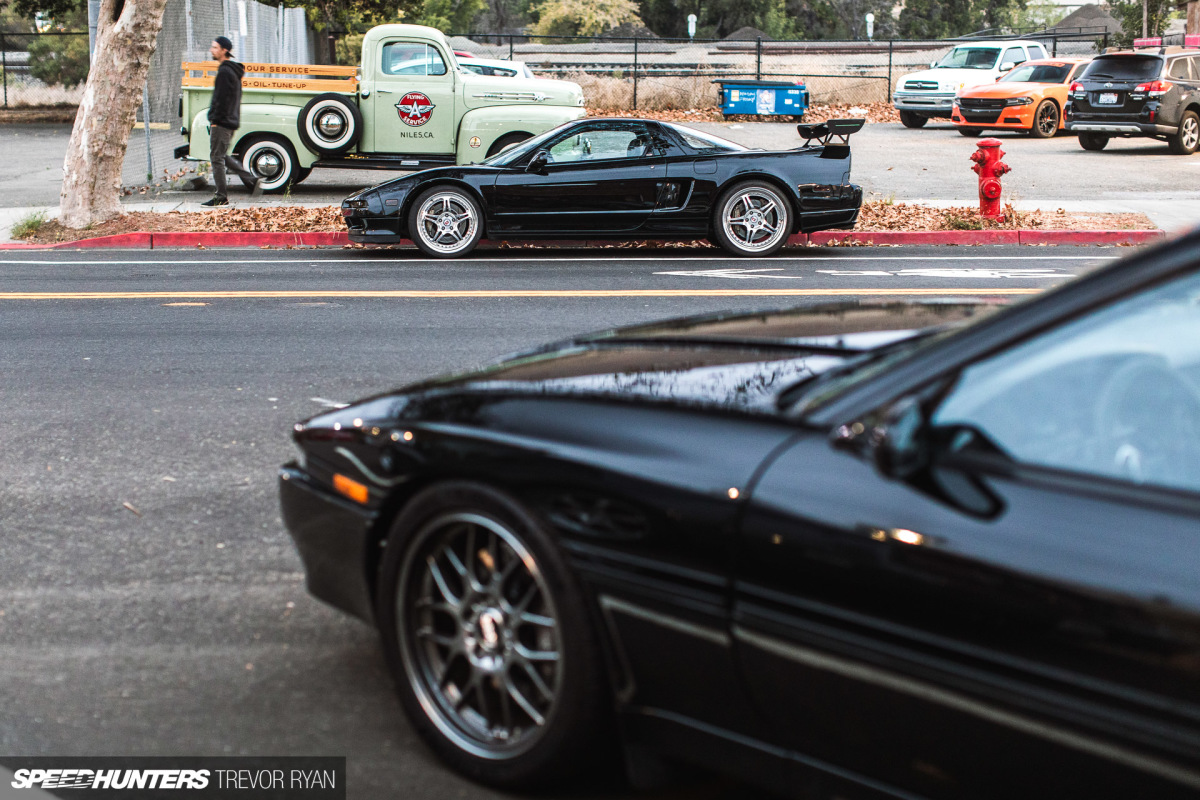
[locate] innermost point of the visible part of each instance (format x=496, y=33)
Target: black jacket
x=225, y=109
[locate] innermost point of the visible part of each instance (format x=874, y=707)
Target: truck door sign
x=415, y=109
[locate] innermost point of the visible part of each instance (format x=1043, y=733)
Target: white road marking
x=328, y=403
x=566, y=259
x=730, y=273
x=951, y=272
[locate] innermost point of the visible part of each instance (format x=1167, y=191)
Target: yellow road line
x=502, y=293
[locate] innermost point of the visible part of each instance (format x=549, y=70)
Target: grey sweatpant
x=219, y=141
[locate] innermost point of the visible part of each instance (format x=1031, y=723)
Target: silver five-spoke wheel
x=753, y=219
x=482, y=651
x=445, y=222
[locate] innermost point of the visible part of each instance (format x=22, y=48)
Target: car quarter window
x=1013, y=55
x=409, y=58
x=1180, y=68
x=603, y=142
x=1114, y=394
x=1036, y=51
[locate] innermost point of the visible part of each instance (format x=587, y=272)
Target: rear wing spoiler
x=829, y=129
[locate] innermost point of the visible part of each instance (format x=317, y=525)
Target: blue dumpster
x=768, y=98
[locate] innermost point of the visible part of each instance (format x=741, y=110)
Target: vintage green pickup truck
x=407, y=106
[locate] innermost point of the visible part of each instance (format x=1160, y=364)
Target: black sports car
x=620, y=178
x=931, y=550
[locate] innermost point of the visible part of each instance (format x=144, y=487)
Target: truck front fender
x=256, y=119
x=481, y=127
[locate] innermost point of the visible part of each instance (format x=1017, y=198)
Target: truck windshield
x=969, y=58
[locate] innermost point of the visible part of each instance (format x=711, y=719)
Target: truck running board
x=387, y=161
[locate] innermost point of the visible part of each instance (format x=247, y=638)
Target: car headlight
x=1019, y=101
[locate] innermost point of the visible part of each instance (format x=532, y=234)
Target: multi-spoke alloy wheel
x=483, y=651
x=1045, y=120
x=1187, y=138
x=753, y=219
x=445, y=222
x=488, y=637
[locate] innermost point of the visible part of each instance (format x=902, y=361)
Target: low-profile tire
x=910, y=120
x=273, y=160
x=1187, y=138
x=970, y=133
x=1046, y=119
x=329, y=125
x=445, y=222
x=1092, y=141
x=486, y=632
x=753, y=218
x=507, y=140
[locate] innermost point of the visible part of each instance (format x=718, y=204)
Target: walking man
x=224, y=115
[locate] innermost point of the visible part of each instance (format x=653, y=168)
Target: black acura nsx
x=620, y=178
x=915, y=551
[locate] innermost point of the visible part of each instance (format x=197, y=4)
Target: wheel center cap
x=756, y=218
x=490, y=624
x=447, y=221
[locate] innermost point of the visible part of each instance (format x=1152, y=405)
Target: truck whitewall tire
x=274, y=162
x=330, y=124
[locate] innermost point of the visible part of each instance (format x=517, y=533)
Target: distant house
x=1087, y=19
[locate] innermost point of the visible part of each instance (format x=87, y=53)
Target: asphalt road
x=930, y=164
x=150, y=600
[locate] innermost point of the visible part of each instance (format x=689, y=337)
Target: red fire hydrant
x=989, y=167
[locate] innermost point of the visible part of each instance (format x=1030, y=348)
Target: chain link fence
x=43, y=70
x=658, y=74
x=260, y=33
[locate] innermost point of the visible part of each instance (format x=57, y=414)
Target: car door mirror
x=895, y=438
x=1007, y=65
x=537, y=164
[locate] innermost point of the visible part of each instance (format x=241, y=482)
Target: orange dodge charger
x=1030, y=97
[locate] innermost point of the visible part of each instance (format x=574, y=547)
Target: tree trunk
x=125, y=39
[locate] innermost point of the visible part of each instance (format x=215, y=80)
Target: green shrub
x=28, y=225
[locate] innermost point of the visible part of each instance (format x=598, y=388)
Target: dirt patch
x=875, y=216
x=287, y=219
x=818, y=112
x=881, y=216
x=51, y=114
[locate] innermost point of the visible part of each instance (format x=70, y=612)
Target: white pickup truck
x=920, y=96
x=407, y=106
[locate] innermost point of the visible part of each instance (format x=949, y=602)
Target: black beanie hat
x=224, y=42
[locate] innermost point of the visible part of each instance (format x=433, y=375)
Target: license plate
x=1108, y=99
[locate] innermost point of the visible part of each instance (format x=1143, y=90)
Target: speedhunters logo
x=256, y=778
x=110, y=779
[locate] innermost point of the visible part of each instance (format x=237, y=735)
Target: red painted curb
x=822, y=238
x=1091, y=237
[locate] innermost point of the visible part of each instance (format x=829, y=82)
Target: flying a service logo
x=415, y=109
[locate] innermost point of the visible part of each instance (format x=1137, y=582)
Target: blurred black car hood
x=734, y=362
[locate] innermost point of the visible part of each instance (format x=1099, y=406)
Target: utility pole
x=1145, y=18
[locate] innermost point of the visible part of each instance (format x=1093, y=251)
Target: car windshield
x=705, y=142
x=1124, y=68
x=511, y=154
x=969, y=58
x=1038, y=73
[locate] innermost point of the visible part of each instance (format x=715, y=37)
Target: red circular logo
x=414, y=109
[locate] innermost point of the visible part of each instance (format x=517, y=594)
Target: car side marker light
x=734, y=494
x=350, y=488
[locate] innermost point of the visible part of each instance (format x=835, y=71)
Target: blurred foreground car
x=1029, y=98
x=620, y=179
x=928, y=550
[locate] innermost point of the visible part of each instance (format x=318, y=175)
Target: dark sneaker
x=257, y=190
x=217, y=200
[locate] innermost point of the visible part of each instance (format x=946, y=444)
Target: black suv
x=1138, y=94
